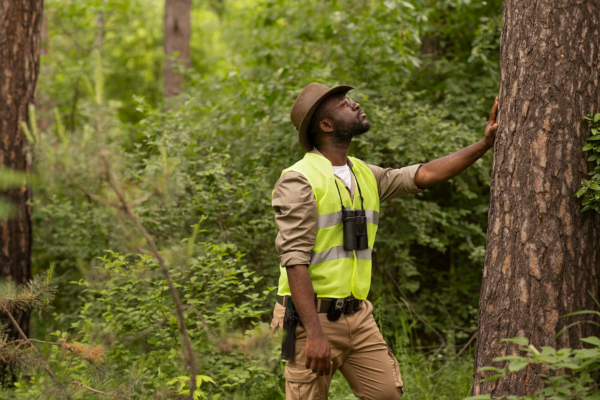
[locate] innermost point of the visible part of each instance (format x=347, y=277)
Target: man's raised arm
x=442, y=169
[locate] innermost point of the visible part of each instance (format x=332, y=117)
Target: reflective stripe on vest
x=335, y=218
x=334, y=271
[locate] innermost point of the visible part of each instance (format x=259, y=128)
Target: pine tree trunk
x=542, y=254
x=20, y=24
x=177, y=40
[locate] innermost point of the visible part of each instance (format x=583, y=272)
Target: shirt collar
x=317, y=152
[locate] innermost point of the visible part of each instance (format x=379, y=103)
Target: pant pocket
x=278, y=315
x=303, y=384
x=395, y=371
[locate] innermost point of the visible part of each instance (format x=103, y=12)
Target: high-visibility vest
x=334, y=271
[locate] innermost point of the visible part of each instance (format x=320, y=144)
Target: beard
x=348, y=129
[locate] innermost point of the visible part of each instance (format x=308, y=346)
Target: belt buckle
x=339, y=304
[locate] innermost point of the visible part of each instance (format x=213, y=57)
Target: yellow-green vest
x=334, y=271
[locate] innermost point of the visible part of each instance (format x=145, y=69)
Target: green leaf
x=593, y=138
x=489, y=369
x=479, y=397
x=589, y=146
x=597, y=117
x=592, y=339
x=493, y=378
x=580, y=192
x=567, y=365
x=518, y=340
x=517, y=365
x=584, y=209
x=204, y=378
x=595, y=186
x=593, y=157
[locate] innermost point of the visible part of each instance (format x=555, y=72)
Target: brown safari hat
x=305, y=105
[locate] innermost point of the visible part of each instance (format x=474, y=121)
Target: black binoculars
x=355, y=229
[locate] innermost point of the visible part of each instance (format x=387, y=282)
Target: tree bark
x=20, y=24
x=542, y=254
x=177, y=40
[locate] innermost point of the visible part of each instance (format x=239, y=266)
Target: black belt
x=350, y=306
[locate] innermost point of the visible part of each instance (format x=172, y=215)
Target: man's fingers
x=308, y=362
x=328, y=367
x=494, y=111
x=321, y=368
x=314, y=366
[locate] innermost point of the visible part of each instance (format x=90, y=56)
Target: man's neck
x=337, y=154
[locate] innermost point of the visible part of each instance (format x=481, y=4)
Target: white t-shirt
x=344, y=173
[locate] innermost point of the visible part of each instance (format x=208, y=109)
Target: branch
x=141, y=200
x=76, y=383
x=456, y=356
x=202, y=320
x=42, y=359
x=442, y=339
x=126, y=209
x=98, y=198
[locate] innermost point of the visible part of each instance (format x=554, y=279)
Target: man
x=327, y=210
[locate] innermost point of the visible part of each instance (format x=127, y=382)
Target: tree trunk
x=20, y=23
x=177, y=40
x=43, y=101
x=542, y=254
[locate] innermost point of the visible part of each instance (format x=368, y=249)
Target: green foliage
x=130, y=315
x=426, y=74
x=231, y=136
x=36, y=295
x=590, y=189
x=574, y=371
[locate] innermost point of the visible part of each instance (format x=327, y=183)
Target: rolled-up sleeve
x=393, y=183
x=296, y=217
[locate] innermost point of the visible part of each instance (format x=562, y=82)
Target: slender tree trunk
x=542, y=254
x=43, y=101
x=177, y=40
x=20, y=23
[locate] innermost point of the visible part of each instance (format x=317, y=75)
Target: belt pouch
x=335, y=309
x=290, y=321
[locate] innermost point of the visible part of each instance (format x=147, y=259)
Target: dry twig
x=91, y=389
x=45, y=365
x=124, y=207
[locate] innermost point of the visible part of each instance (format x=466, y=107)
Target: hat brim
x=303, y=130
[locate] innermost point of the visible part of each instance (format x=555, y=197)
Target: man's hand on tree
x=318, y=354
x=492, y=126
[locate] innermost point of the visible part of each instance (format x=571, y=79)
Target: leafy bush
x=130, y=315
x=575, y=371
x=591, y=188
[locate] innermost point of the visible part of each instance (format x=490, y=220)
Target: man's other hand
x=492, y=126
x=318, y=355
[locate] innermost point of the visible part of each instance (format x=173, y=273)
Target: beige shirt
x=296, y=208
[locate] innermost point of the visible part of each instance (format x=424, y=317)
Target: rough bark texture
x=177, y=39
x=20, y=23
x=543, y=255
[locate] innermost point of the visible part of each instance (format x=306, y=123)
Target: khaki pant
x=357, y=350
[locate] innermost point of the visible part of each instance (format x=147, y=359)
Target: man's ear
x=326, y=125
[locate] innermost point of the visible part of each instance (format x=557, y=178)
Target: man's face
x=347, y=119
